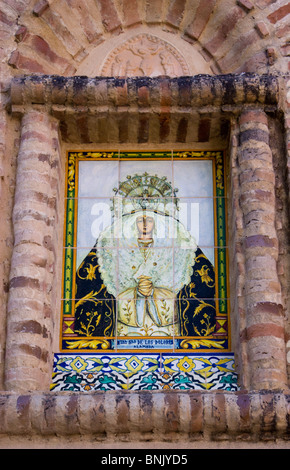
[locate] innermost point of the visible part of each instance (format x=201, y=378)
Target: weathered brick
x=5, y=18
x=196, y=416
x=265, y=329
x=71, y=414
x=262, y=29
x=264, y=3
x=227, y=25
x=253, y=116
x=269, y=308
x=30, y=350
x=21, y=33
x=165, y=94
x=154, y=11
x=29, y=326
x=110, y=18
x=238, y=48
x=171, y=413
x=272, y=55
x=279, y=14
x=89, y=26
x=254, y=134
x=122, y=94
x=175, y=12
x=123, y=414
x=219, y=414
x=204, y=130
x=197, y=91
x=40, y=7
x=130, y=12
x=271, y=378
x=257, y=174
x=184, y=91
x=245, y=414
x=202, y=16
x=143, y=96
x=19, y=61
x=282, y=31
x=260, y=241
x=123, y=128
x=22, y=281
x=96, y=414
x=245, y=4
x=285, y=50
x=244, y=403
x=42, y=47
x=146, y=407
x=143, y=129
x=256, y=63
x=58, y=26
x=181, y=132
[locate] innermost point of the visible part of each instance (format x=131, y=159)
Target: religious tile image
x=197, y=216
x=94, y=215
x=130, y=169
x=193, y=178
x=141, y=270
x=148, y=221
x=96, y=179
x=87, y=268
x=146, y=272
x=204, y=313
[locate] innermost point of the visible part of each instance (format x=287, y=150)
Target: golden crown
x=145, y=192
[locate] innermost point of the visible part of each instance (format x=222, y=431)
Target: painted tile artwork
x=145, y=292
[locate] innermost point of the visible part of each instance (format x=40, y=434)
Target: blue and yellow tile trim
x=160, y=371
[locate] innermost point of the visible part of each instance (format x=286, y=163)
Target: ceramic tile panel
x=171, y=371
x=145, y=267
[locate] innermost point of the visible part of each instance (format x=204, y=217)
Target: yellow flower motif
x=91, y=272
x=79, y=364
x=203, y=272
x=186, y=364
x=166, y=375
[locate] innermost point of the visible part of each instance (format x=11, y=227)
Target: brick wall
x=178, y=419
x=232, y=35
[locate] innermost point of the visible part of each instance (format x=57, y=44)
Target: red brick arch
x=54, y=37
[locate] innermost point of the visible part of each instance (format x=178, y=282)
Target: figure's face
x=145, y=225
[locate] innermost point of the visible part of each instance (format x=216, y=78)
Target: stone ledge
x=141, y=109
x=146, y=416
x=193, y=91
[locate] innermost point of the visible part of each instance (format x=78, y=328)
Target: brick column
x=31, y=292
x=263, y=330
x=287, y=142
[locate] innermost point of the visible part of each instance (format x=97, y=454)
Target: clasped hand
x=145, y=286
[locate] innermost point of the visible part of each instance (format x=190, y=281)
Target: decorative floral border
x=89, y=372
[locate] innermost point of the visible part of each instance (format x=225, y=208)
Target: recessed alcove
x=144, y=51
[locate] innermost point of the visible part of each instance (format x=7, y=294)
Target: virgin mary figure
x=145, y=276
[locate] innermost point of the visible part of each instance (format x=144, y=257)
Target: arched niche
x=147, y=52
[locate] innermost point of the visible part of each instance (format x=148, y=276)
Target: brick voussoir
x=29, y=414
